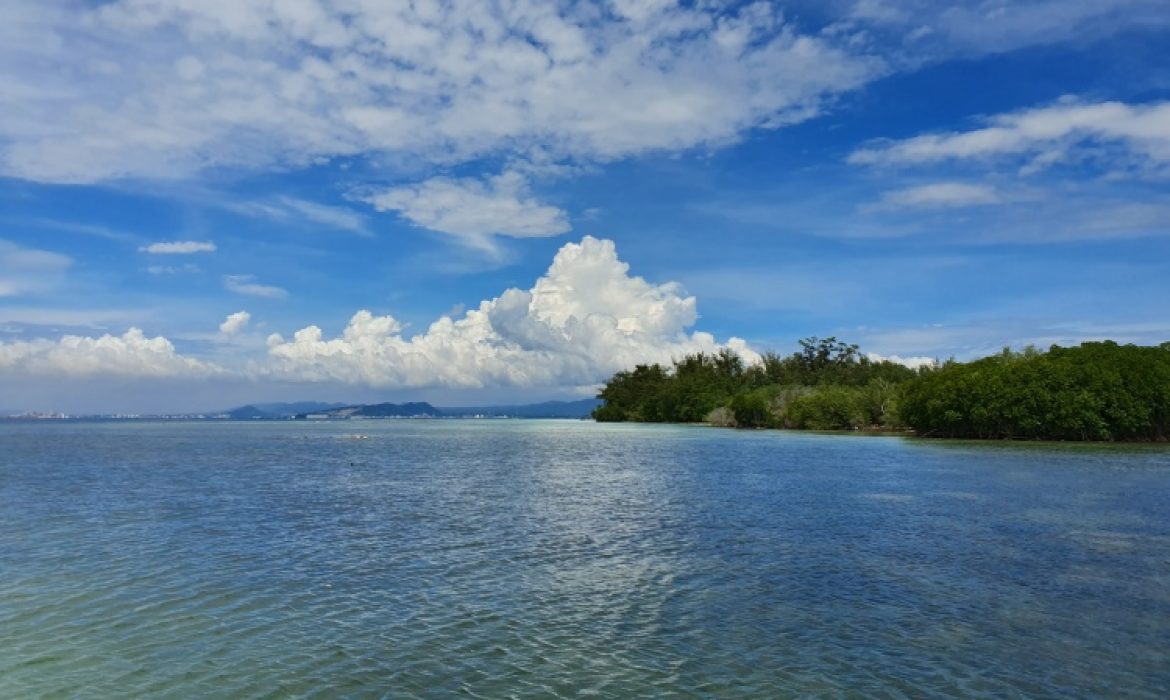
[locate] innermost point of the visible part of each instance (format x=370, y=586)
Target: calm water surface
x=537, y=559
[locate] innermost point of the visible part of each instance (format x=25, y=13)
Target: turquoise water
x=536, y=559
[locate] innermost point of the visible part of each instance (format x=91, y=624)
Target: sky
x=205, y=203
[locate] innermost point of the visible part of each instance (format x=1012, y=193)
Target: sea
x=569, y=559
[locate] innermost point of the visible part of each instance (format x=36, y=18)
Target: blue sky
x=209, y=203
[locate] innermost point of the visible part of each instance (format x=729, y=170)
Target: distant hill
x=249, y=412
x=548, y=409
x=295, y=407
x=274, y=411
x=303, y=409
x=414, y=409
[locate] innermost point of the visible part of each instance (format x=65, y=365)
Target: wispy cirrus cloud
x=292, y=210
x=248, y=286
x=1114, y=135
x=178, y=248
x=76, y=227
x=938, y=195
x=172, y=269
x=29, y=270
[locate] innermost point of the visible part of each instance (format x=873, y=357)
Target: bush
x=752, y=409
x=828, y=408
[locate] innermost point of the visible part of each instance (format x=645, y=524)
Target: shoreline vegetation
x=1097, y=391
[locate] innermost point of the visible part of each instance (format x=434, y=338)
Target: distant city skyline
x=206, y=204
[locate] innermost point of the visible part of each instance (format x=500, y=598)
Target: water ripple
x=565, y=560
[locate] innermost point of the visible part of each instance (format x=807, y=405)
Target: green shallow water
x=502, y=559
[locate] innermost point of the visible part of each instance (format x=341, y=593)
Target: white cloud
x=165, y=88
x=130, y=355
x=968, y=339
x=172, y=269
x=235, y=323
x=939, y=195
x=29, y=270
x=293, y=210
x=245, y=284
x=585, y=319
x=333, y=217
x=178, y=248
x=911, y=362
x=475, y=210
x=1116, y=134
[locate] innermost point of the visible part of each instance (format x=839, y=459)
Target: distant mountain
x=415, y=409
x=274, y=411
x=383, y=410
x=548, y=409
x=295, y=407
x=304, y=409
x=249, y=412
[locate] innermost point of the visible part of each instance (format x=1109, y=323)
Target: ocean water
x=532, y=559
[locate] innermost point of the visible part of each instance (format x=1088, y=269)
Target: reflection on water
x=561, y=559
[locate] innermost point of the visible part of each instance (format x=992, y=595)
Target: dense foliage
x=827, y=385
x=1097, y=391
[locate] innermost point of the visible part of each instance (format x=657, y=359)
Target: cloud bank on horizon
x=583, y=320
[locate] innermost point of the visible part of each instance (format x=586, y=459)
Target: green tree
x=827, y=384
x=1096, y=391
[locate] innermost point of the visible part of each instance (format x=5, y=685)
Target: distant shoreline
x=290, y=419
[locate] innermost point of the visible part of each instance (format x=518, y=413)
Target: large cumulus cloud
x=584, y=319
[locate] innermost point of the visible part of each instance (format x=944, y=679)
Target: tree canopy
x=1096, y=391
x=828, y=384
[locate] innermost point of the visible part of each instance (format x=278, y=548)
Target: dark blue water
x=504, y=559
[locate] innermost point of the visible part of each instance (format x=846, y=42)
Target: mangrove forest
x=1099, y=391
